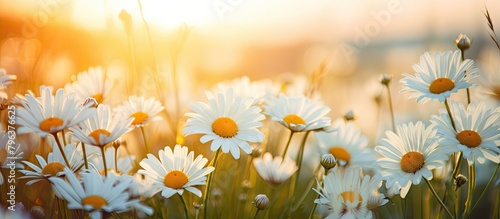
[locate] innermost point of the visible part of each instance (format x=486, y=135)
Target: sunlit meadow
x=249, y=109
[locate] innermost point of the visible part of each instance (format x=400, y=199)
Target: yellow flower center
x=96, y=133
x=469, y=138
x=340, y=153
x=412, y=161
x=293, y=119
x=175, y=179
x=349, y=196
x=441, y=85
x=53, y=168
x=97, y=97
x=139, y=118
x=225, y=127
x=49, y=123
x=97, y=202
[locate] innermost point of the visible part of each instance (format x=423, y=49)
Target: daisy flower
x=409, y=154
x=299, y=113
x=5, y=79
x=274, y=170
x=96, y=194
x=348, y=194
x=54, y=165
x=439, y=75
x=176, y=171
x=92, y=83
x=141, y=109
x=477, y=132
x=346, y=144
x=102, y=128
x=50, y=114
x=229, y=121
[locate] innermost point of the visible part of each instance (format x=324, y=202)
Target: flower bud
x=460, y=180
x=349, y=115
x=328, y=161
x=91, y=102
x=386, y=79
x=117, y=143
x=256, y=151
x=463, y=42
x=261, y=202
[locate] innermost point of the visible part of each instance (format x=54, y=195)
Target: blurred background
x=49, y=42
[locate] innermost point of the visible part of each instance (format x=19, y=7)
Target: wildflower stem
x=85, y=161
x=391, y=107
x=255, y=215
x=437, y=197
x=209, y=184
x=457, y=166
x=471, y=188
x=311, y=215
x=104, y=161
x=462, y=53
x=61, y=149
x=449, y=114
x=116, y=160
x=185, y=206
x=306, y=191
x=144, y=139
x=288, y=144
x=299, y=162
x=484, y=191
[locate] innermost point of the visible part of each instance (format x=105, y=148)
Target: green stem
x=457, y=166
x=449, y=114
x=116, y=160
x=471, y=188
x=85, y=156
x=185, y=206
x=255, y=215
x=209, y=184
x=104, y=161
x=391, y=107
x=307, y=190
x=484, y=190
x=61, y=149
x=311, y=215
x=437, y=197
x=287, y=144
x=144, y=139
x=462, y=53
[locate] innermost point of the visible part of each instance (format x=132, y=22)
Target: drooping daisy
x=274, y=170
x=5, y=79
x=477, y=132
x=141, y=109
x=298, y=113
x=176, y=171
x=348, y=194
x=50, y=114
x=408, y=155
x=439, y=75
x=102, y=128
x=54, y=165
x=96, y=193
x=92, y=83
x=346, y=144
x=229, y=121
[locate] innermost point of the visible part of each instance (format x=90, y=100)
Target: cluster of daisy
x=275, y=129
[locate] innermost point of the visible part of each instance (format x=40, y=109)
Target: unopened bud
x=349, y=115
x=91, y=102
x=247, y=185
x=256, y=151
x=126, y=20
x=386, y=79
x=261, y=202
x=117, y=143
x=328, y=161
x=463, y=42
x=243, y=197
x=197, y=206
x=460, y=180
